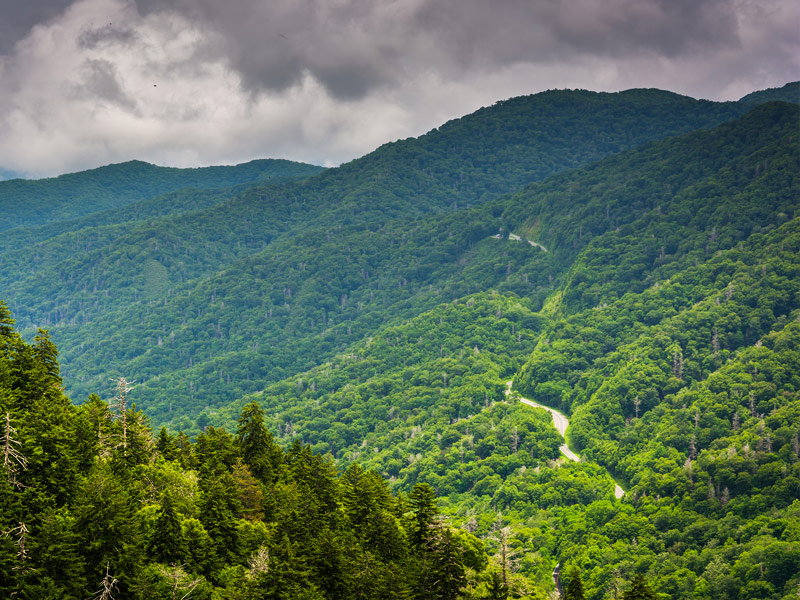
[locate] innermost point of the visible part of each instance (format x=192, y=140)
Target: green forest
x=279, y=381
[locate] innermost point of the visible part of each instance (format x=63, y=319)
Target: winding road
x=561, y=423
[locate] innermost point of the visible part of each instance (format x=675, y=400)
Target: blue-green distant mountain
x=788, y=93
x=28, y=203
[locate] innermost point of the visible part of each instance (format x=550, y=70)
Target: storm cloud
x=192, y=82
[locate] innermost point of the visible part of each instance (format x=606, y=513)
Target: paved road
x=561, y=423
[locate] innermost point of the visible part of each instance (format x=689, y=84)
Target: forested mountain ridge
x=652, y=295
x=142, y=275
x=788, y=93
x=29, y=203
x=679, y=368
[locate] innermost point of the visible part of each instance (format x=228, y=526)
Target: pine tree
x=7, y=331
x=56, y=549
x=496, y=588
x=443, y=574
x=639, y=590
x=166, y=446
x=423, y=501
x=218, y=510
x=166, y=546
x=574, y=589
x=251, y=497
x=258, y=448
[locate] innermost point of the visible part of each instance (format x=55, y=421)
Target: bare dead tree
x=180, y=582
x=21, y=533
x=120, y=404
x=506, y=556
x=514, y=440
x=13, y=460
x=258, y=563
x=108, y=585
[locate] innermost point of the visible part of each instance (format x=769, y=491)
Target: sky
x=184, y=83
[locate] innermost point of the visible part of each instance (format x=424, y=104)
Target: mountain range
x=629, y=259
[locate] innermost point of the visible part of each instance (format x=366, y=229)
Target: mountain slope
x=653, y=295
x=37, y=202
x=788, y=93
x=682, y=380
x=287, y=258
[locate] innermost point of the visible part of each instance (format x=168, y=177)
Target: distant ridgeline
x=27, y=203
x=631, y=259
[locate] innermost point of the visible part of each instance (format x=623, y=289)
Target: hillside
x=630, y=259
x=788, y=93
x=90, y=501
x=223, y=287
x=680, y=372
x=37, y=202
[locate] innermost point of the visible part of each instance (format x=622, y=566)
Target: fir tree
x=423, y=501
x=496, y=588
x=166, y=446
x=574, y=589
x=639, y=590
x=259, y=451
x=166, y=546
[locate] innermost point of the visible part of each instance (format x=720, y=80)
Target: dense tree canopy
x=326, y=361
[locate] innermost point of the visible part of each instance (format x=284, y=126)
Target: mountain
x=321, y=261
x=670, y=341
x=37, y=202
x=630, y=259
x=788, y=93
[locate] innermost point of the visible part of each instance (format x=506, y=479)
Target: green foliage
x=151, y=528
x=204, y=300
x=574, y=586
x=788, y=93
x=639, y=590
x=652, y=296
x=28, y=203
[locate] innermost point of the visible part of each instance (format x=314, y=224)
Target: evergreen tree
x=249, y=492
x=218, y=510
x=259, y=451
x=56, y=548
x=7, y=331
x=497, y=590
x=639, y=590
x=442, y=569
x=423, y=501
x=186, y=454
x=166, y=446
x=166, y=545
x=574, y=589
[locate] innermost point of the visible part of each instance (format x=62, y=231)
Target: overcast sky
x=196, y=82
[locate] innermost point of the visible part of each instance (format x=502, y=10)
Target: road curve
x=561, y=423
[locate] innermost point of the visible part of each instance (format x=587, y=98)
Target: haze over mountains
x=628, y=258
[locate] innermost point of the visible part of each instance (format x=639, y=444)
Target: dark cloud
x=17, y=18
x=194, y=82
x=107, y=34
x=100, y=82
x=356, y=46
